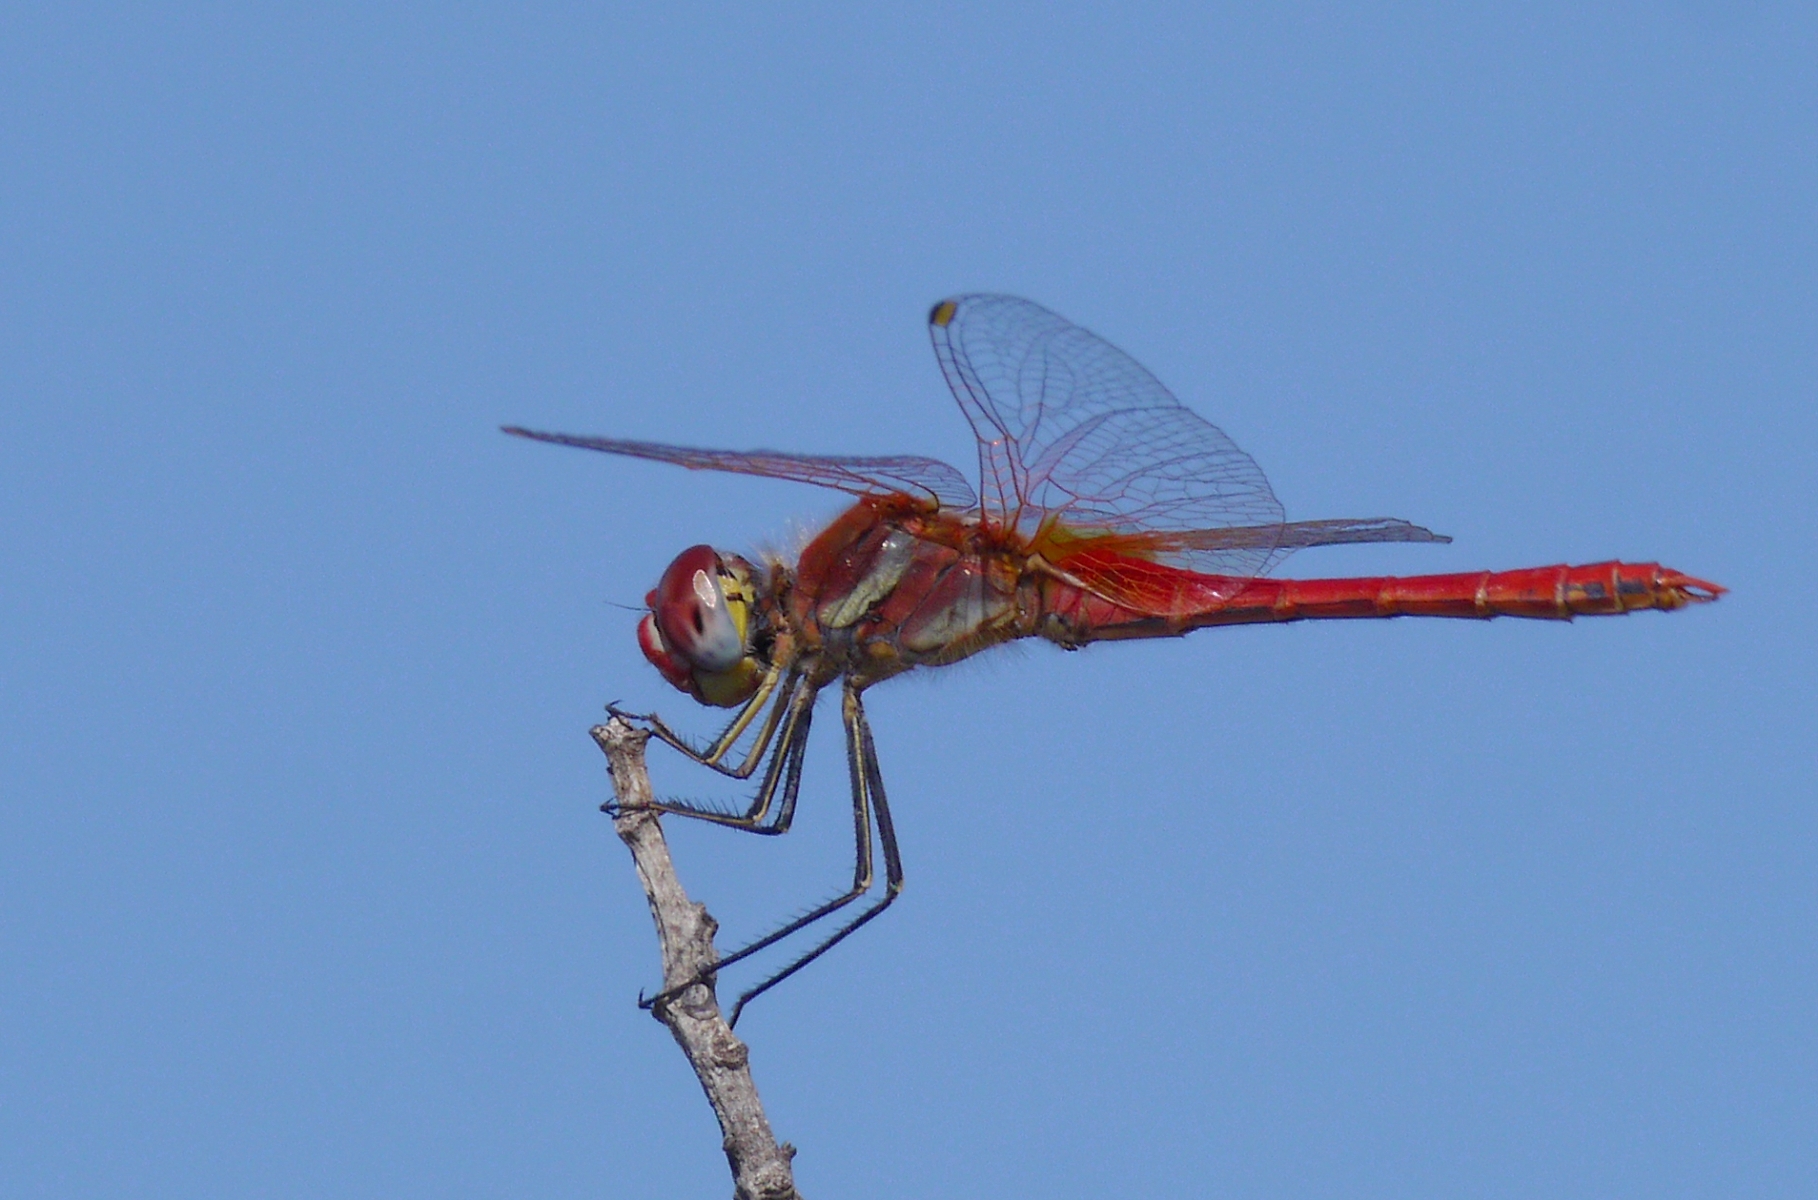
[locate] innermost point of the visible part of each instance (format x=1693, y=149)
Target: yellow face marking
x=731, y=688
x=737, y=683
x=739, y=597
x=943, y=313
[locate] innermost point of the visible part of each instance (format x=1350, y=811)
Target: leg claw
x=651, y=1003
x=613, y=710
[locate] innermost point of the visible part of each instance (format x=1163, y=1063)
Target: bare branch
x=760, y=1167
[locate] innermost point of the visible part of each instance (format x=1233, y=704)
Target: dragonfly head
x=698, y=631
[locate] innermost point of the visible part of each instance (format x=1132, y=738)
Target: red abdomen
x=1552, y=593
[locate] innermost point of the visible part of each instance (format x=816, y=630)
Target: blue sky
x=303, y=889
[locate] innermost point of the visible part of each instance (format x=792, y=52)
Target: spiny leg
x=867, y=798
x=785, y=769
x=866, y=785
x=728, y=737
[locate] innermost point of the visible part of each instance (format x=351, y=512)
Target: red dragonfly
x=1106, y=510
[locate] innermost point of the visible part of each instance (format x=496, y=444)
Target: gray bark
x=760, y=1167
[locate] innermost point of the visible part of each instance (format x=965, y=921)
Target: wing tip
x=1394, y=529
x=538, y=435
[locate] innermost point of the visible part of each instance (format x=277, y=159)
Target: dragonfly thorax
x=699, y=631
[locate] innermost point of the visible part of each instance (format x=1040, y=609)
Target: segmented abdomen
x=1552, y=593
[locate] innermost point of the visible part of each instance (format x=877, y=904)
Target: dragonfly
x=1105, y=510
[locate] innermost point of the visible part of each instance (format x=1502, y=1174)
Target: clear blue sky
x=303, y=890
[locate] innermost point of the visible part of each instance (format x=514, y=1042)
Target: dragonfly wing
x=1069, y=426
x=1132, y=569
x=924, y=477
x=1297, y=535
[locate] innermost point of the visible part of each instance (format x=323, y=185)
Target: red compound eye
x=651, y=643
x=690, y=627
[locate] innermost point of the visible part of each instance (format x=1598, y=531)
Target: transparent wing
x=1071, y=427
x=1295, y=535
x=922, y=477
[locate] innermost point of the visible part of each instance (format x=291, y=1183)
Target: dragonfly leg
x=722, y=745
x=868, y=804
x=867, y=800
x=784, y=773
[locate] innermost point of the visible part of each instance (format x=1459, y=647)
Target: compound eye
x=692, y=615
x=650, y=641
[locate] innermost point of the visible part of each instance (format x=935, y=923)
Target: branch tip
x=688, y=1004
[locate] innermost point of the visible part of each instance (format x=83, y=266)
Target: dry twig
x=760, y=1167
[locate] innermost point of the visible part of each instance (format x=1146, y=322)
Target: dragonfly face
x=698, y=630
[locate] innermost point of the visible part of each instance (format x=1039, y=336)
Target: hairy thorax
x=893, y=585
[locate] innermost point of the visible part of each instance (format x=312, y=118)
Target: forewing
x=922, y=477
x=1071, y=427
